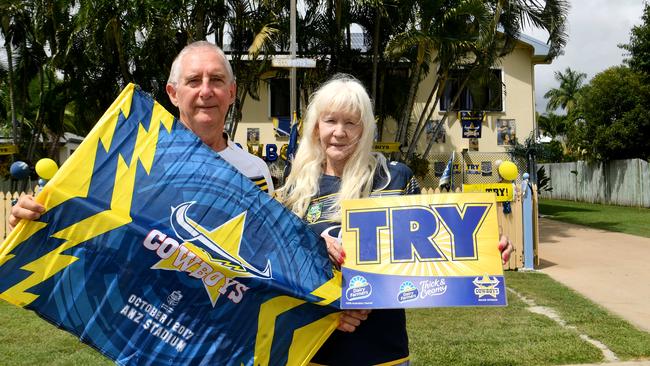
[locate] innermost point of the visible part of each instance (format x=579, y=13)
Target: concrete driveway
x=611, y=269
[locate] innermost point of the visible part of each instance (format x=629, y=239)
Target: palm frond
x=263, y=39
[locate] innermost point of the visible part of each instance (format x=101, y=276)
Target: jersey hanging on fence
x=156, y=251
x=422, y=251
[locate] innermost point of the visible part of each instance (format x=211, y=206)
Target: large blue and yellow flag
x=157, y=252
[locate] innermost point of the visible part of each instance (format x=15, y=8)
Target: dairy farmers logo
x=211, y=256
x=486, y=286
x=358, y=289
x=407, y=292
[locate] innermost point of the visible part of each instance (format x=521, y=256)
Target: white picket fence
x=5, y=210
x=510, y=224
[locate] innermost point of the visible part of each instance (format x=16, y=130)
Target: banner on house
x=282, y=126
x=422, y=251
x=506, y=132
x=502, y=191
x=8, y=149
x=471, y=123
x=156, y=251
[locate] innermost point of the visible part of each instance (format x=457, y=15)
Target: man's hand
x=506, y=248
x=334, y=250
x=25, y=209
x=350, y=320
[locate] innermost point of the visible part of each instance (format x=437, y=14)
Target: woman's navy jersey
x=382, y=338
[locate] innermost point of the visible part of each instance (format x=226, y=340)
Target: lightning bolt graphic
x=303, y=338
x=73, y=185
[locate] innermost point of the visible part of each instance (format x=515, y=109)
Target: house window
x=477, y=95
x=280, y=91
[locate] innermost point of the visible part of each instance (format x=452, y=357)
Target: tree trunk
x=380, y=122
x=121, y=57
x=10, y=78
x=442, y=81
x=38, y=121
x=375, y=58
x=338, y=39
x=420, y=126
x=237, y=109
x=451, y=107
x=55, y=144
x=24, y=88
x=199, y=21
x=402, y=131
x=348, y=38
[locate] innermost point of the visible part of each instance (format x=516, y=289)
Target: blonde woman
x=334, y=162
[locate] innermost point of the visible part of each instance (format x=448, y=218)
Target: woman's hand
x=351, y=319
x=506, y=248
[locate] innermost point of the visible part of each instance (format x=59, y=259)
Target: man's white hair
x=175, y=71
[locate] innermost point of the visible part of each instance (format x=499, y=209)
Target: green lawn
x=444, y=336
x=26, y=339
x=630, y=220
x=515, y=336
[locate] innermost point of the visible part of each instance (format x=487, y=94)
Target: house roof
x=540, y=49
x=357, y=41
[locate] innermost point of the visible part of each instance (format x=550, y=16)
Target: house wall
x=256, y=115
x=517, y=73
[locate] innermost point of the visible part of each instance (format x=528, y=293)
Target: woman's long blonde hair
x=342, y=93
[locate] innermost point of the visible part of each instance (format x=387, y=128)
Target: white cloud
x=595, y=28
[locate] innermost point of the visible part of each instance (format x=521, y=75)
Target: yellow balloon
x=46, y=168
x=508, y=170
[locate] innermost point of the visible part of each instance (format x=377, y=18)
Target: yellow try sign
x=503, y=191
x=421, y=251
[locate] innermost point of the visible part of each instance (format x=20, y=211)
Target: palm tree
x=446, y=35
x=421, y=42
x=12, y=27
x=566, y=95
x=552, y=124
x=380, y=21
x=253, y=30
x=474, y=35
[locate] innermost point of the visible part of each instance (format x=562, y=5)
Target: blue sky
x=595, y=28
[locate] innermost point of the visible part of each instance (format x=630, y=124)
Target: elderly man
x=202, y=85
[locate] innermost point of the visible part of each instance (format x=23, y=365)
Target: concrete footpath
x=612, y=269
